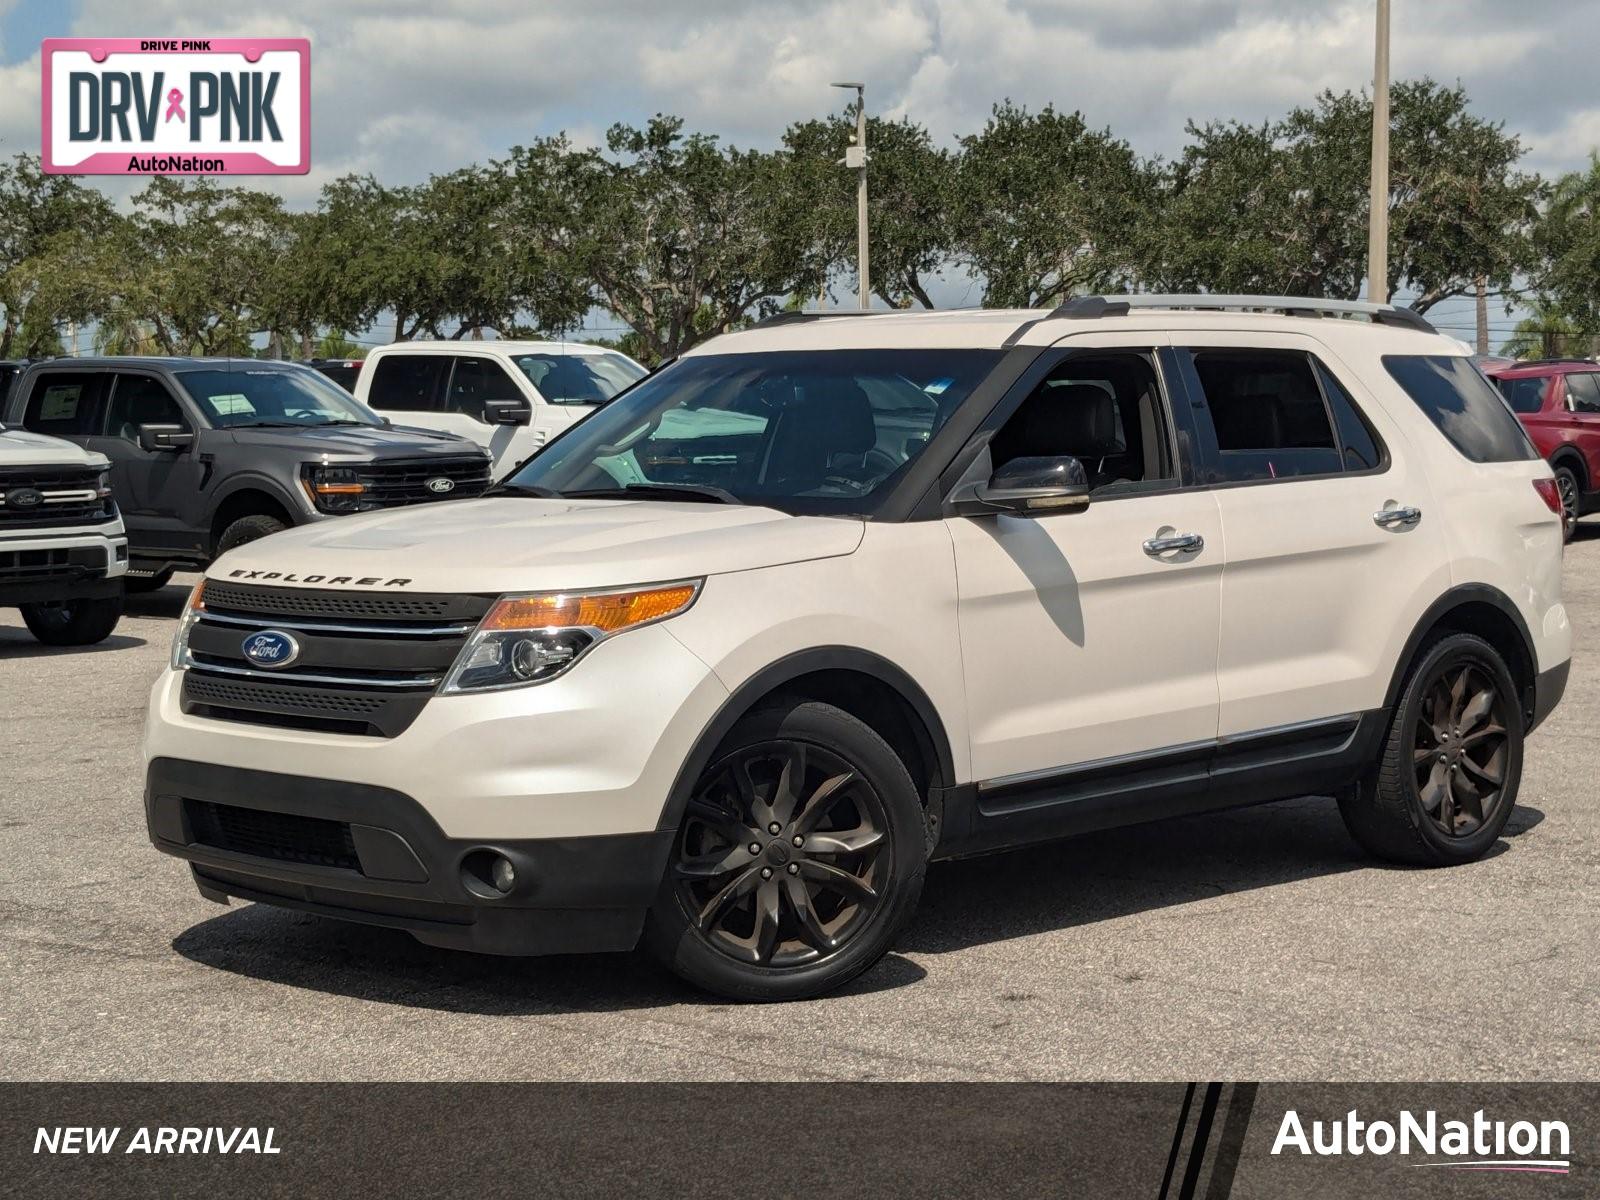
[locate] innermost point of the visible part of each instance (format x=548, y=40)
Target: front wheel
x=247, y=529
x=1447, y=780
x=799, y=859
x=73, y=622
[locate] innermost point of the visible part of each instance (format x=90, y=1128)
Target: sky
x=402, y=88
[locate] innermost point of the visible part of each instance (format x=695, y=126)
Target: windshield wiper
x=664, y=491
x=267, y=425
x=523, y=489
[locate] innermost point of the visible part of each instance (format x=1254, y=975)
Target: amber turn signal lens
x=197, y=597
x=607, y=612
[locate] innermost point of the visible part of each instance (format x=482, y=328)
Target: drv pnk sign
x=154, y=106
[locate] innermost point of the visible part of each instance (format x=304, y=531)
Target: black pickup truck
x=209, y=453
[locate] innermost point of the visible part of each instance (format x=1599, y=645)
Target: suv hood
x=517, y=544
x=358, y=443
x=19, y=448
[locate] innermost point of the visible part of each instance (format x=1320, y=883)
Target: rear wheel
x=73, y=622
x=1451, y=764
x=247, y=529
x=800, y=858
x=1571, y=493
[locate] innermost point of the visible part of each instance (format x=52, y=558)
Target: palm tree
x=1547, y=332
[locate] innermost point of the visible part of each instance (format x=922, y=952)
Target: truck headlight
x=533, y=638
x=334, y=489
x=191, y=613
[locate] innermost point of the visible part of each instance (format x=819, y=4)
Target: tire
x=1389, y=814
x=139, y=584
x=1571, y=490
x=73, y=622
x=869, y=830
x=247, y=529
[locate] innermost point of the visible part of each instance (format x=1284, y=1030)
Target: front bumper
x=52, y=565
x=374, y=855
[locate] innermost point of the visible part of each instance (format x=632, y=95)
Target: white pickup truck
x=63, y=552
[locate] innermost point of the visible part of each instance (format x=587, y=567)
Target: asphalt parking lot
x=1255, y=945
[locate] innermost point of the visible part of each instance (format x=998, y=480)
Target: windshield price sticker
x=212, y=106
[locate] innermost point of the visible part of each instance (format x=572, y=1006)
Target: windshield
x=274, y=396
x=801, y=431
x=579, y=378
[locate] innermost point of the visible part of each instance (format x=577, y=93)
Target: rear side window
x=1583, y=390
x=1466, y=407
x=1356, y=439
x=65, y=404
x=409, y=382
x=1268, y=415
x=1524, y=395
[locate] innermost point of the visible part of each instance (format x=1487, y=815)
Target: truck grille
x=368, y=662
x=49, y=566
x=51, y=498
x=390, y=484
x=286, y=837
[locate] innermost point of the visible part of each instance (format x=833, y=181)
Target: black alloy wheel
x=781, y=854
x=1461, y=749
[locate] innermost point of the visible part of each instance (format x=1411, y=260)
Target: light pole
x=856, y=156
x=1378, y=216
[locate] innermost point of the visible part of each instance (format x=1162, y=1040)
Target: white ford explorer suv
x=63, y=552
x=510, y=397
x=724, y=667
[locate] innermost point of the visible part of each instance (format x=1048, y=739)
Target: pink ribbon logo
x=175, y=105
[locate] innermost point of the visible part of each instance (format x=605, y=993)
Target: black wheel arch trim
x=771, y=678
x=1456, y=597
x=264, y=484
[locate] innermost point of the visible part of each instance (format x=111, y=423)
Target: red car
x=1558, y=403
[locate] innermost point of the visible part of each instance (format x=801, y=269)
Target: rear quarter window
x=1469, y=410
x=1525, y=395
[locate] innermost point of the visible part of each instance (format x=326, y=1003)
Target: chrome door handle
x=1176, y=541
x=1405, y=518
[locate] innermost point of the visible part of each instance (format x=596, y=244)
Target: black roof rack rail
x=796, y=317
x=1088, y=308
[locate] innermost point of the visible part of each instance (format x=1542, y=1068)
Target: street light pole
x=1378, y=216
x=856, y=156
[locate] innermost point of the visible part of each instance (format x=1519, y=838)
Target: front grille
x=368, y=662
x=61, y=499
x=390, y=484
x=49, y=566
x=281, y=836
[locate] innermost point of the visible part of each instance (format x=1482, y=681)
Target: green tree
x=1549, y=331
x=1282, y=207
x=49, y=228
x=910, y=188
x=1045, y=207
x=1567, y=238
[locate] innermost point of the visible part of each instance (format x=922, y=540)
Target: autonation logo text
x=1480, y=1144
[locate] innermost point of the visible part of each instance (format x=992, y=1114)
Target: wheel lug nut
x=766, y=872
x=799, y=841
x=755, y=847
x=774, y=828
x=794, y=868
x=1444, y=758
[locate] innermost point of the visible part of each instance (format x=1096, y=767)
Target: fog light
x=503, y=875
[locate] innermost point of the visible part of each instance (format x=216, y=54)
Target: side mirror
x=164, y=437
x=1028, y=487
x=508, y=412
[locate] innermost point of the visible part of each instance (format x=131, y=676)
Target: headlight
x=533, y=638
x=191, y=614
x=102, y=484
x=335, y=489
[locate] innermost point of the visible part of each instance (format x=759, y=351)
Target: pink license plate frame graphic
x=231, y=162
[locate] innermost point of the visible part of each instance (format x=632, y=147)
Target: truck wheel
x=247, y=529
x=138, y=584
x=1571, y=499
x=73, y=622
x=1447, y=778
x=799, y=860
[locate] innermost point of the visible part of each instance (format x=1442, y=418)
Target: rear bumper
x=1548, y=688
x=398, y=868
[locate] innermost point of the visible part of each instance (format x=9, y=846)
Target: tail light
x=1549, y=493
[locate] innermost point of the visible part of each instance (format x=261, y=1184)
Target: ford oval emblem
x=271, y=649
x=24, y=497
x=441, y=485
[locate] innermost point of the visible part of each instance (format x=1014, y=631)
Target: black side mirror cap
x=508, y=412
x=1027, y=487
x=164, y=437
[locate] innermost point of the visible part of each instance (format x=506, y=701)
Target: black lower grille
x=43, y=566
x=280, y=836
